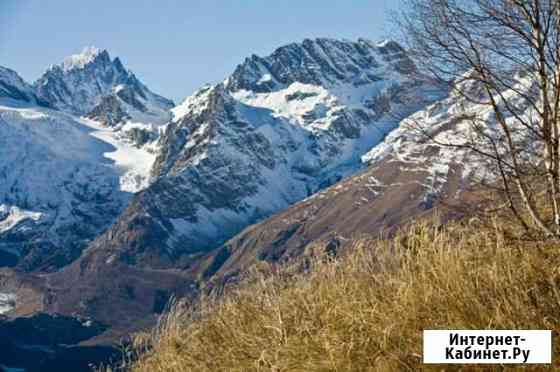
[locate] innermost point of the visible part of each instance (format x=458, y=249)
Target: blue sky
x=175, y=46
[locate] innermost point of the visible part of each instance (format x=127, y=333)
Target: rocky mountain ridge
x=266, y=138
x=13, y=87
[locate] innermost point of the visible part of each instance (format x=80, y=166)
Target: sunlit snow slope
x=64, y=179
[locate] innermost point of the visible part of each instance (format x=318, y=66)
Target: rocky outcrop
x=109, y=112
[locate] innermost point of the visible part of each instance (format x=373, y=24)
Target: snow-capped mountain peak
x=94, y=84
x=88, y=55
x=64, y=179
x=74, y=146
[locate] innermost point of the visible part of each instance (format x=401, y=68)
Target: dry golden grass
x=366, y=311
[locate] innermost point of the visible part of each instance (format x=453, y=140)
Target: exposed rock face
x=323, y=62
x=408, y=177
x=109, y=111
x=93, y=84
x=278, y=130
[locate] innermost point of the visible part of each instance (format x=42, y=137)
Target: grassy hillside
x=366, y=311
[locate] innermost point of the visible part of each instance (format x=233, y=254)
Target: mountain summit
x=88, y=55
x=93, y=84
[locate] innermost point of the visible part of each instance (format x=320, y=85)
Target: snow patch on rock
x=10, y=217
x=7, y=302
x=88, y=55
x=134, y=163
